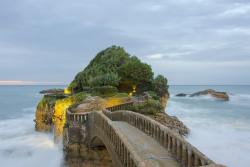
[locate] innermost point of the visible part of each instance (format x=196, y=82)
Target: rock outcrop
x=52, y=91
x=164, y=100
x=44, y=114
x=172, y=122
x=181, y=95
x=218, y=95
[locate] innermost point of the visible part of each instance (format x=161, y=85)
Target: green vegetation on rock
x=114, y=70
x=150, y=107
x=160, y=85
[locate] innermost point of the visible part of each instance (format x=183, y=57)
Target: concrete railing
x=183, y=151
x=123, y=106
x=99, y=123
x=76, y=118
x=117, y=141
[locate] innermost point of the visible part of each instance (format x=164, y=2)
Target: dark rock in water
x=219, y=95
x=52, y=91
x=181, y=95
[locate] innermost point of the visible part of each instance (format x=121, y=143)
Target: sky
x=197, y=42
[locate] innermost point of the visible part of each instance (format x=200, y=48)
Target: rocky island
x=113, y=77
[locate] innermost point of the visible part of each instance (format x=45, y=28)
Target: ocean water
x=20, y=145
x=221, y=130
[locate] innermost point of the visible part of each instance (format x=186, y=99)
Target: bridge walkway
x=146, y=147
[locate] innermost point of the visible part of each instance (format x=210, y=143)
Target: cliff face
x=164, y=100
x=44, y=114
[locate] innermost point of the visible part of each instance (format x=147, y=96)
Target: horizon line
x=23, y=82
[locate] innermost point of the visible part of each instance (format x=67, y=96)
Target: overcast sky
x=189, y=41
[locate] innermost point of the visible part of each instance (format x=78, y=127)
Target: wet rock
x=164, y=100
x=218, y=95
x=52, y=91
x=171, y=122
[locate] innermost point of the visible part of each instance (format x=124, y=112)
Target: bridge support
x=76, y=142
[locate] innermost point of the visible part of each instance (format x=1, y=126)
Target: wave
x=22, y=146
x=221, y=130
x=240, y=99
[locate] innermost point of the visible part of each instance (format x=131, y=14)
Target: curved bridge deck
x=146, y=147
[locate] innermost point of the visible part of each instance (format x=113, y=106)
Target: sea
x=220, y=130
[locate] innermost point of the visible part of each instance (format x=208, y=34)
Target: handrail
x=76, y=118
x=121, y=146
x=122, y=106
x=123, y=149
x=182, y=150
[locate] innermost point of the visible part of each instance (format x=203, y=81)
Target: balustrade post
x=184, y=155
x=178, y=150
x=174, y=146
x=196, y=161
x=169, y=142
x=190, y=159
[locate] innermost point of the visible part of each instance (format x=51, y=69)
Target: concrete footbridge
x=134, y=140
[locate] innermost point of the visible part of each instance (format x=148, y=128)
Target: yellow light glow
x=59, y=117
x=130, y=94
x=134, y=88
x=113, y=101
x=67, y=91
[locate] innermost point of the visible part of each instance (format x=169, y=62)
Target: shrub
x=104, y=90
x=160, y=85
x=135, y=73
x=78, y=97
x=109, y=79
x=153, y=95
x=150, y=107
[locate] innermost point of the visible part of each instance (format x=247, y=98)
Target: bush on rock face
x=111, y=79
x=114, y=67
x=135, y=73
x=114, y=70
x=104, y=90
x=101, y=69
x=150, y=107
x=160, y=85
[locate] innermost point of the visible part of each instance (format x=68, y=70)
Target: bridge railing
x=121, y=146
x=76, y=118
x=182, y=150
x=104, y=126
x=123, y=106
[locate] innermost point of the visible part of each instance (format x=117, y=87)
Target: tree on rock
x=160, y=85
x=135, y=73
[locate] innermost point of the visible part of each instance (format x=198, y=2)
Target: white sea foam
x=221, y=130
x=240, y=99
x=21, y=146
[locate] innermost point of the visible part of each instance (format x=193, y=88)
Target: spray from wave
x=221, y=130
x=21, y=146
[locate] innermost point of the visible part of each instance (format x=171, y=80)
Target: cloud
x=155, y=56
x=237, y=10
x=53, y=40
